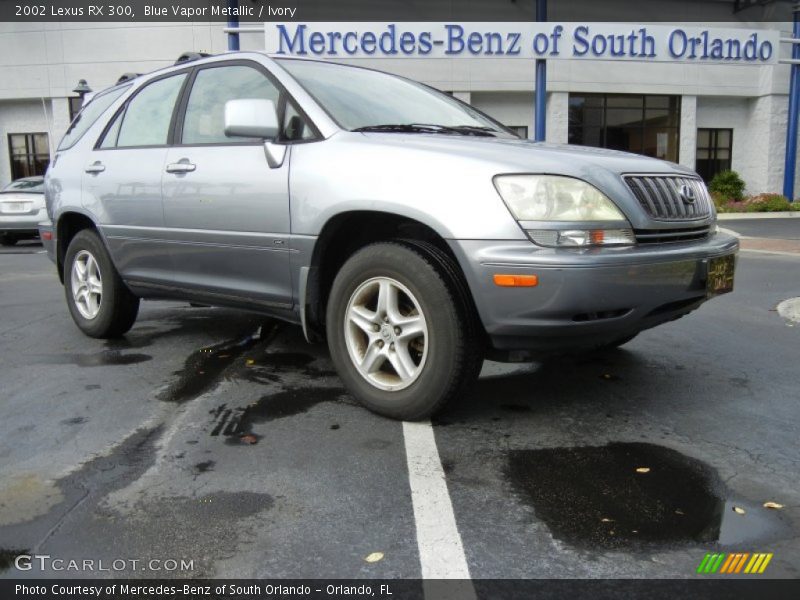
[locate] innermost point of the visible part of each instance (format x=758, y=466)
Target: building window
x=714, y=149
x=635, y=123
x=30, y=154
x=520, y=130
x=75, y=105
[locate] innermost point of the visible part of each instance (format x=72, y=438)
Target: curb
x=795, y=214
x=765, y=245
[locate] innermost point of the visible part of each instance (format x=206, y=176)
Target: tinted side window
x=110, y=138
x=148, y=114
x=213, y=87
x=90, y=113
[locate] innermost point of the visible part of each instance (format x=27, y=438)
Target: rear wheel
x=99, y=302
x=398, y=330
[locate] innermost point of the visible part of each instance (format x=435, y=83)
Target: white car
x=22, y=208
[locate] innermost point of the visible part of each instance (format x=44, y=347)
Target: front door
x=226, y=210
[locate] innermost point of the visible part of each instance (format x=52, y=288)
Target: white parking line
x=441, y=552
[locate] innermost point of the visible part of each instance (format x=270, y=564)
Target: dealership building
x=711, y=96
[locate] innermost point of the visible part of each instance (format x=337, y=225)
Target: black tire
x=6, y=240
x=454, y=348
x=118, y=307
x=462, y=295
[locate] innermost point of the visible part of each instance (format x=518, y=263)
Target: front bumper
x=585, y=298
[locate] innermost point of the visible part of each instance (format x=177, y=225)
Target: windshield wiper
x=426, y=128
x=474, y=130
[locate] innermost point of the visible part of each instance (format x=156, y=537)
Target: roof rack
x=190, y=56
x=127, y=77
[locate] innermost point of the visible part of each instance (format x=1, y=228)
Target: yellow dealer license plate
x=720, y=275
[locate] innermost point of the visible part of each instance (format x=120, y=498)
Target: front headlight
x=555, y=198
x=567, y=201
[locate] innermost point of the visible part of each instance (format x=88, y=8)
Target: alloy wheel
x=386, y=333
x=87, y=284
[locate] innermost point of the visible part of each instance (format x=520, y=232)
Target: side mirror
x=252, y=118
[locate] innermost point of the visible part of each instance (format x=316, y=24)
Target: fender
x=58, y=218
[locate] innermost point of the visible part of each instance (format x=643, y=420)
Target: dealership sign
x=598, y=41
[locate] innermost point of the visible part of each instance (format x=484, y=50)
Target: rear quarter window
x=89, y=115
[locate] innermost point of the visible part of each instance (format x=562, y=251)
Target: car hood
x=529, y=156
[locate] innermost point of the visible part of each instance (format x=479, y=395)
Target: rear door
x=226, y=210
x=122, y=180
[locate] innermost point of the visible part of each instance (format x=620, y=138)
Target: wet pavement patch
x=7, y=557
x=204, y=467
x=202, y=369
x=222, y=505
x=282, y=360
x=105, y=358
x=620, y=494
x=236, y=423
x=516, y=407
x=269, y=367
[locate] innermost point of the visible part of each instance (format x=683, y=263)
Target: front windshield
x=25, y=186
x=361, y=98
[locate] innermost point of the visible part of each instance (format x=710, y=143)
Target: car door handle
x=95, y=167
x=182, y=166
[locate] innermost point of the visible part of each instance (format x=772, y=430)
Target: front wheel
x=99, y=302
x=399, y=331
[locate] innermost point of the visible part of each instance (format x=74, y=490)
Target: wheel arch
x=340, y=237
x=68, y=224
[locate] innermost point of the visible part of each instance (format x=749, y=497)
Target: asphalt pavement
x=221, y=438
x=785, y=229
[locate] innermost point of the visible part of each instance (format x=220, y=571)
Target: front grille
x=661, y=236
x=660, y=196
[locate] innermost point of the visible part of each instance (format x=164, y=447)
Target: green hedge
x=727, y=185
x=753, y=204
x=727, y=190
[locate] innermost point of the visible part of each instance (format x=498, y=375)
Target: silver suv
x=414, y=233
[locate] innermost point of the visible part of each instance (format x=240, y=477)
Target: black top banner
x=254, y=11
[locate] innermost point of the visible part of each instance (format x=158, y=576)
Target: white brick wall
x=759, y=137
x=510, y=108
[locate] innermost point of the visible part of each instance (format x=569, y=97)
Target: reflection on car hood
x=528, y=155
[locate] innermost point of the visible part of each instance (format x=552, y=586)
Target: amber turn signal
x=516, y=280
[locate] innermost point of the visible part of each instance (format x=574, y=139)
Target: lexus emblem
x=687, y=194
